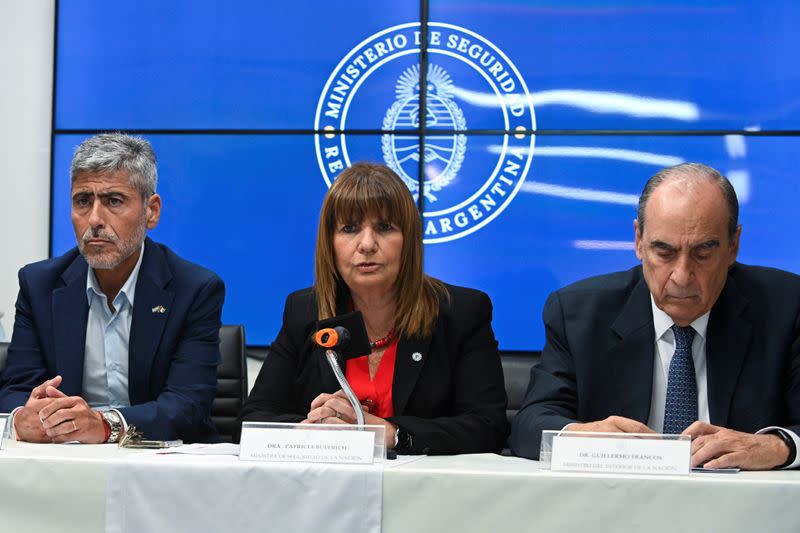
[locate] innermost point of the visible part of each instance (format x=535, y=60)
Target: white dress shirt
x=664, y=350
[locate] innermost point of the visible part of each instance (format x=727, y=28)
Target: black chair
x=517, y=373
x=231, y=381
x=3, y=355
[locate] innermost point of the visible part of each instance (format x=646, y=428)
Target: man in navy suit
x=690, y=342
x=119, y=331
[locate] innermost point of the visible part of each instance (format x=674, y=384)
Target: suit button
x=426, y=451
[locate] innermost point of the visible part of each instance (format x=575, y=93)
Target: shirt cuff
x=795, y=439
x=12, y=433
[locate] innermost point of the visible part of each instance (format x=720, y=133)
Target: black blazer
x=599, y=354
x=452, y=401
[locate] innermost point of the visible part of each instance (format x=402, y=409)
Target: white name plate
x=621, y=453
x=3, y=422
x=304, y=444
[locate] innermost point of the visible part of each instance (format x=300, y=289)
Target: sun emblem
x=444, y=153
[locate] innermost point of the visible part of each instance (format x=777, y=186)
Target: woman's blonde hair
x=362, y=190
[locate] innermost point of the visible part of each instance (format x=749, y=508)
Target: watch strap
x=404, y=441
x=115, y=425
x=789, y=441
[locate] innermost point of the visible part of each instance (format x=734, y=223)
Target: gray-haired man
x=119, y=330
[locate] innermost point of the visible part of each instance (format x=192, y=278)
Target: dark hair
x=698, y=170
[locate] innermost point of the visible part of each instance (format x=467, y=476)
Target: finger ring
x=41, y=420
x=74, y=426
x=322, y=420
x=369, y=405
x=338, y=414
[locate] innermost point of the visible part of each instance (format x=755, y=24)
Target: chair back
x=517, y=374
x=231, y=380
x=3, y=355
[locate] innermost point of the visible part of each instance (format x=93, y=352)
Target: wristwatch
x=403, y=441
x=114, y=422
x=789, y=444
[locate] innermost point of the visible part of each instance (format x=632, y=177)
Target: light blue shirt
x=105, y=367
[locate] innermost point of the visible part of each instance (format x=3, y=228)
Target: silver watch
x=115, y=423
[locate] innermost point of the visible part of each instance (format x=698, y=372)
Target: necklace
x=383, y=342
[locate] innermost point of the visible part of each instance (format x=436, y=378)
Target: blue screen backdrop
x=542, y=121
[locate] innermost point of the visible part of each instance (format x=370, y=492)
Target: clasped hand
x=49, y=415
x=336, y=409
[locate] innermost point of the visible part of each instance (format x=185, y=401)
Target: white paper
x=401, y=460
x=621, y=455
x=3, y=421
x=222, y=448
x=306, y=445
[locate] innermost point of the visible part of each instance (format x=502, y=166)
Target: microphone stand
x=333, y=361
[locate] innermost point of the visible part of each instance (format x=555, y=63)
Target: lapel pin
x=159, y=309
x=416, y=356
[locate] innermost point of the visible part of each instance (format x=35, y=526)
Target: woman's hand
x=336, y=409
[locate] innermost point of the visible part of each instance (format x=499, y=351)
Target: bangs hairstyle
x=360, y=191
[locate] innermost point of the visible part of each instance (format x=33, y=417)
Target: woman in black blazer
x=433, y=377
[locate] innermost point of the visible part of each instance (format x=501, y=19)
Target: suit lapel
x=151, y=310
x=411, y=356
x=630, y=361
x=70, y=316
x=728, y=341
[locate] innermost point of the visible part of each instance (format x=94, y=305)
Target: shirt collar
x=662, y=321
x=128, y=289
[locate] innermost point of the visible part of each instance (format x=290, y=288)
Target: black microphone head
x=352, y=340
x=336, y=337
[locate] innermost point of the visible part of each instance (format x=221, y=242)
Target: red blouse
x=379, y=390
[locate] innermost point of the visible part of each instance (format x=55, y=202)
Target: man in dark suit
x=118, y=331
x=689, y=342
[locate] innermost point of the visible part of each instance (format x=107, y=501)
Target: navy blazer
x=452, y=399
x=172, y=356
x=600, y=350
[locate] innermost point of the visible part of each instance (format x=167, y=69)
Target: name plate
x=621, y=453
x=306, y=443
x=3, y=424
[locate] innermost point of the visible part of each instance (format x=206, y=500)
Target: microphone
x=344, y=336
x=337, y=337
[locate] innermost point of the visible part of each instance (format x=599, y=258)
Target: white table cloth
x=64, y=488
x=185, y=493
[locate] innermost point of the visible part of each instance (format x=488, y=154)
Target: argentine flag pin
x=159, y=309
